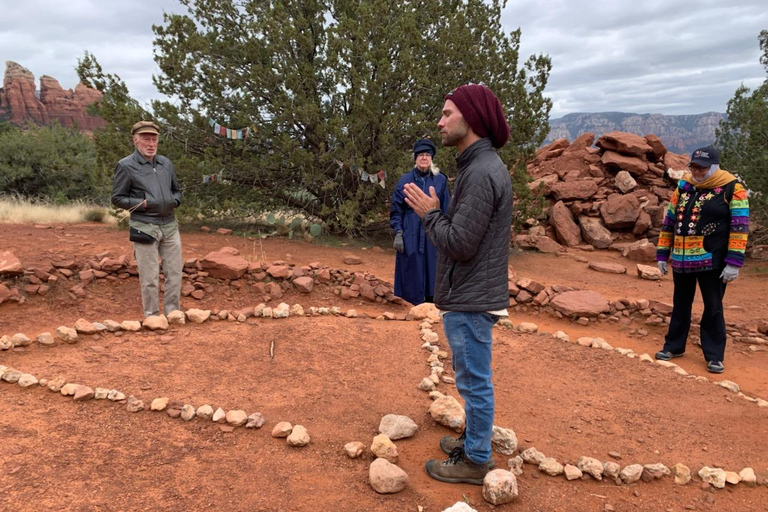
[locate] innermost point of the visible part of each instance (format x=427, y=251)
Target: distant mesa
x=681, y=134
x=21, y=103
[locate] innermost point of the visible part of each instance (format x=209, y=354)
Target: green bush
x=94, y=215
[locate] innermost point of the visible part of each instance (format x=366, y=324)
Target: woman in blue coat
x=416, y=257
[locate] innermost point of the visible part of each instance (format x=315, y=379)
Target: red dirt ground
x=338, y=377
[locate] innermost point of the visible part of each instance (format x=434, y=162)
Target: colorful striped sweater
x=703, y=229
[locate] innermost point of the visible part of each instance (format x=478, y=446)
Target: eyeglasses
x=423, y=155
x=696, y=167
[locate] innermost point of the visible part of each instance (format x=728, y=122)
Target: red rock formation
x=593, y=196
x=20, y=105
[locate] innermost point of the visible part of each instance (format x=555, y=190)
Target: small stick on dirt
x=599, y=496
x=272, y=350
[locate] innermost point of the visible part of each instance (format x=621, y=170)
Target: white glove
x=729, y=273
x=662, y=267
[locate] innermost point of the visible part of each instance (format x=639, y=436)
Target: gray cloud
x=650, y=56
x=682, y=57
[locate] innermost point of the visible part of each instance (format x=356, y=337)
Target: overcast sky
x=642, y=56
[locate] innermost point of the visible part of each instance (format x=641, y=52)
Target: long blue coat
x=415, y=268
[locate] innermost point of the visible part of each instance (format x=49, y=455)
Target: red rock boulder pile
x=614, y=191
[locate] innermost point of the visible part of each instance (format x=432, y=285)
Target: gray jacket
x=473, y=237
x=137, y=179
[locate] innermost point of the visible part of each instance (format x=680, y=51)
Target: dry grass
x=24, y=211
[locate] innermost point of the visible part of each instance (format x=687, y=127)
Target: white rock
x=560, y=335
x=533, y=456
x=187, y=412
x=354, y=449
x=459, y=506
x=255, y=420
x=69, y=389
x=26, y=380
x=20, y=340
x=115, y=395
x=499, y=487
x=551, y=467
x=236, y=417
x=205, y=412
x=159, y=404
x=299, y=436
x=112, y=326
x=448, y=412
x=177, y=317
x=748, y=476
x=131, y=325
x=45, y=339
x=426, y=384
x=383, y=447
x=682, y=474
x=282, y=429
x=386, y=478
x=66, y=334
x=631, y=473
x=198, y=316
x=156, y=323
x=219, y=415
x=100, y=393
x=527, y=327
x=397, y=427
x=572, y=472
x=729, y=385
x=504, y=440
x=282, y=310
x=516, y=465
x=713, y=476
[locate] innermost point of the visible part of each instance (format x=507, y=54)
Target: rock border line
x=447, y=411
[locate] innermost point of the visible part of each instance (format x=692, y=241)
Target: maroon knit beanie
x=482, y=110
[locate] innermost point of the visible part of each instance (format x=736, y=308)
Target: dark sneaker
x=457, y=469
x=715, y=367
x=666, y=355
x=449, y=443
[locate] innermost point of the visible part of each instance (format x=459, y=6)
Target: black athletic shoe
x=715, y=367
x=666, y=355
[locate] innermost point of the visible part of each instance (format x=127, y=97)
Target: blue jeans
x=469, y=335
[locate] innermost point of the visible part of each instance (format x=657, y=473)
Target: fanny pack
x=139, y=236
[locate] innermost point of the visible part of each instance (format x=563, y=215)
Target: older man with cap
x=471, y=289
x=416, y=256
x=703, y=238
x=145, y=184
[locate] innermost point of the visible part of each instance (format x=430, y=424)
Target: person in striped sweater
x=703, y=239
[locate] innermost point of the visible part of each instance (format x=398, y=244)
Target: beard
x=453, y=137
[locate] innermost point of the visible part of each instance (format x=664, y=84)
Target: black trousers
x=712, y=320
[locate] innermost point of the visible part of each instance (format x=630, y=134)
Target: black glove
x=399, y=245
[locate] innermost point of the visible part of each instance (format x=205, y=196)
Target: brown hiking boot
x=449, y=443
x=458, y=469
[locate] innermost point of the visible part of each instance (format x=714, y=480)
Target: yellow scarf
x=719, y=179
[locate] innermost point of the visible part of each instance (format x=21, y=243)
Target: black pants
x=712, y=320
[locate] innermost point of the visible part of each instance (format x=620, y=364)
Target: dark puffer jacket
x=137, y=179
x=473, y=237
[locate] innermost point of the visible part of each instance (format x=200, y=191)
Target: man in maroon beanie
x=471, y=289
